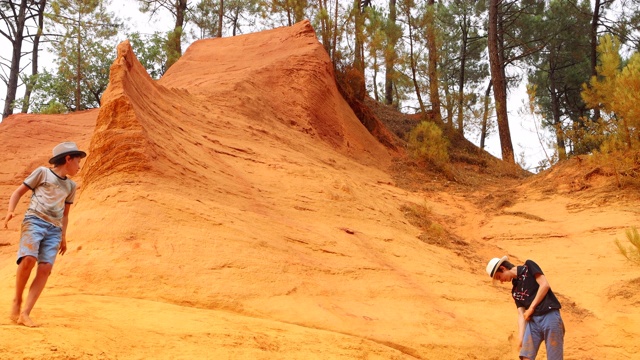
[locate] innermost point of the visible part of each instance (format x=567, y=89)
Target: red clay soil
x=237, y=209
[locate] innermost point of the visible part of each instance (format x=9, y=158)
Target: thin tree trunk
x=448, y=107
x=34, y=57
x=335, y=34
x=555, y=109
x=463, y=60
x=14, y=72
x=375, y=76
x=412, y=62
x=358, y=62
x=390, y=54
x=593, y=54
x=78, y=90
x=485, y=115
x=236, y=17
x=433, y=63
x=496, y=61
x=324, y=26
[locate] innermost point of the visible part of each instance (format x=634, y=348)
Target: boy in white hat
x=538, y=308
x=44, y=227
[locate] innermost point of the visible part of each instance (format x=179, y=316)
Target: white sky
x=523, y=133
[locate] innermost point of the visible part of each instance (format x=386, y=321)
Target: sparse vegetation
x=632, y=253
x=432, y=232
x=427, y=143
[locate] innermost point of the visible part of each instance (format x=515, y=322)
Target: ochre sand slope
x=237, y=209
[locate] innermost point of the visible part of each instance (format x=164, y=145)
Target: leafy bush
x=632, y=252
x=427, y=143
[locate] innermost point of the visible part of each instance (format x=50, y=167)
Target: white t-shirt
x=50, y=194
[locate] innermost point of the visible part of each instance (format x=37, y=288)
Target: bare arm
x=542, y=292
x=65, y=221
x=521, y=324
x=13, y=202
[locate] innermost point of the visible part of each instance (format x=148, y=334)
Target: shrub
x=427, y=143
x=632, y=252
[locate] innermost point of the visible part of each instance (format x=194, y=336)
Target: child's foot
x=15, y=312
x=25, y=320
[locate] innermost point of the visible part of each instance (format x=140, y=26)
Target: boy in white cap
x=538, y=308
x=44, y=227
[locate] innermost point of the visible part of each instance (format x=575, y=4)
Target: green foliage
x=632, y=252
x=426, y=143
x=205, y=18
x=560, y=69
x=172, y=46
x=149, y=50
x=53, y=93
x=85, y=50
x=616, y=90
x=54, y=107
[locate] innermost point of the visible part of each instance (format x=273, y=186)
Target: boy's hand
x=63, y=246
x=9, y=216
x=528, y=313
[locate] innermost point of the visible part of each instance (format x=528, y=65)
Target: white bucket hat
x=64, y=149
x=494, y=265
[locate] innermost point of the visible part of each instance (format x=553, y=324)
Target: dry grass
x=632, y=253
x=433, y=233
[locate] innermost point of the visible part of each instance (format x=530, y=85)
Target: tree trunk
x=463, y=60
x=358, y=62
x=412, y=62
x=555, y=109
x=496, y=62
x=390, y=54
x=433, y=63
x=448, y=107
x=593, y=55
x=335, y=34
x=485, y=115
x=324, y=26
x=181, y=7
x=236, y=17
x=174, y=42
x=78, y=89
x=34, y=57
x=220, y=16
x=14, y=72
x=375, y=76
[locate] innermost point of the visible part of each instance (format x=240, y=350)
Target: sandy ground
x=237, y=209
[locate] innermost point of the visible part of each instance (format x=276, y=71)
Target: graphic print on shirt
x=520, y=294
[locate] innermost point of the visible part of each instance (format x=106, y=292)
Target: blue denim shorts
x=39, y=239
x=548, y=328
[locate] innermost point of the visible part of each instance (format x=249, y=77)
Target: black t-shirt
x=525, y=288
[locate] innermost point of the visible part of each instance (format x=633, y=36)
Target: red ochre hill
x=238, y=209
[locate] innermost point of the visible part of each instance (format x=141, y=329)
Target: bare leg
x=42, y=275
x=22, y=276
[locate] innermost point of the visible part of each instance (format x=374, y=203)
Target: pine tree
x=85, y=49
